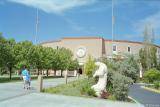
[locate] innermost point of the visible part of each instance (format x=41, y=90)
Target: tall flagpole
x=112, y=21
x=37, y=23
x=112, y=27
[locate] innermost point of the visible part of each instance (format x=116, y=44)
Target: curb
x=150, y=89
x=138, y=103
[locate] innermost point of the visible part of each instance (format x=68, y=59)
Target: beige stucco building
x=97, y=47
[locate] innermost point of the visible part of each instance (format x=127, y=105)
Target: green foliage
x=16, y=55
x=75, y=88
x=157, y=84
x=89, y=66
x=73, y=65
x=7, y=57
x=129, y=68
x=148, y=57
x=120, y=86
x=86, y=88
x=151, y=75
x=121, y=74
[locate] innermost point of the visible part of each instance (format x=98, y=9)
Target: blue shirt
x=26, y=73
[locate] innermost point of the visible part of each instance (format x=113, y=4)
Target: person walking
x=26, y=78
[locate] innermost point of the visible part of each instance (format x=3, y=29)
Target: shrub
x=120, y=86
x=89, y=67
x=156, y=85
x=85, y=88
x=127, y=66
x=151, y=75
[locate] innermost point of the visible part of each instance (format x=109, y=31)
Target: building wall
x=93, y=47
x=52, y=44
x=122, y=47
x=97, y=47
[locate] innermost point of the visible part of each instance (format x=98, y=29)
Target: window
x=114, y=48
x=129, y=49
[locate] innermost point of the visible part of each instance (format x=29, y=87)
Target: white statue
x=101, y=72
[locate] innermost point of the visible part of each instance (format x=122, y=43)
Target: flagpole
x=37, y=22
x=112, y=27
x=112, y=21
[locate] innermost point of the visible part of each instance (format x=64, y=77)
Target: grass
x=152, y=89
x=15, y=78
x=70, y=89
x=79, y=88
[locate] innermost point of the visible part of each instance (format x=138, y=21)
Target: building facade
x=97, y=47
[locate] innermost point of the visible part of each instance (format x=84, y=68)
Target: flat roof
x=95, y=37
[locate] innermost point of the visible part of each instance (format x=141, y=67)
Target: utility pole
x=37, y=23
x=113, y=20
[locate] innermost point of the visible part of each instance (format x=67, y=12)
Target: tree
x=22, y=53
x=73, y=65
x=148, y=57
x=7, y=56
x=89, y=66
x=49, y=54
x=37, y=58
x=65, y=58
x=10, y=60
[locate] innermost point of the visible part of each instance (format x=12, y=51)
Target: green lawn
x=80, y=88
x=4, y=79
x=74, y=88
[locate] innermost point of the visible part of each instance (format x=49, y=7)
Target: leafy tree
x=7, y=56
x=37, y=58
x=148, y=57
x=49, y=54
x=143, y=58
x=89, y=67
x=73, y=65
x=21, y=51
x=65, y=58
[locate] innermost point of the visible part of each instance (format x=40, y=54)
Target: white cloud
x=54, y=6
x=152, y=20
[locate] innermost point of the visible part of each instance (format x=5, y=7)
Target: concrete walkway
x=14, y=89
x=13, y=95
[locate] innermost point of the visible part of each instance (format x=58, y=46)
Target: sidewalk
x=48, y=100
x=13, y=95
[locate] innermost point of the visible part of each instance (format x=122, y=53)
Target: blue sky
x=74, y=18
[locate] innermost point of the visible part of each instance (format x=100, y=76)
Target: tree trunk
x=38, y=72
x=47, y=72
x=10, y=73
x=54, y=72
x=61, y=73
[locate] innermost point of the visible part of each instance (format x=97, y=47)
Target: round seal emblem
x=81, y=52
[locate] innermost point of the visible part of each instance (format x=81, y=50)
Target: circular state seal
x=81, y=52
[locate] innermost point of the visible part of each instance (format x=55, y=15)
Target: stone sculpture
x=101, y=72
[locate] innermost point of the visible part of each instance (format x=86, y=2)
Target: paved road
x=148, y=98
x=13, y=95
